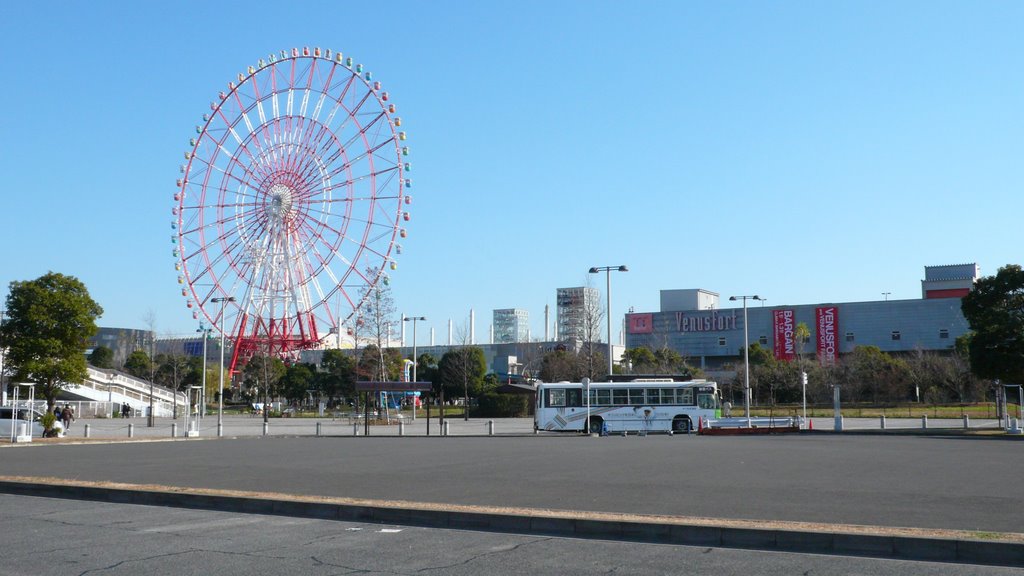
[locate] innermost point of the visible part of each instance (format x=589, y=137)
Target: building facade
x=711, y=337
x=511, y=325
x=575, y=307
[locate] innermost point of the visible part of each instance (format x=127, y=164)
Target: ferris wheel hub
x=279, y=208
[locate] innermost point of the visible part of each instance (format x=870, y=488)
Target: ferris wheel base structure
x=282, y=338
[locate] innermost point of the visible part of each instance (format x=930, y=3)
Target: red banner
x=828, y=330
x=640, y=323
x=785, y=341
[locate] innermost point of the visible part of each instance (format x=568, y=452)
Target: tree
x=994, y=309
x=296, y=381
x=591, y=356
x=641, y=360
x=559, y=365
x=264, y=373
x=377, y=312
x=138, y=364
x=102, y=357
x=462, y=370
x=337, y=376
x=49, y=322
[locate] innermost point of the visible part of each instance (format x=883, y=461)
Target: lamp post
x=414, y=359
x=151, y=421
x=886, y=295
x=202, y=392
x=3, y=387
x=220, y=387
x=746, y=355
x=608, y=309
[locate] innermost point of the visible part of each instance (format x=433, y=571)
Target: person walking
x=67, y=416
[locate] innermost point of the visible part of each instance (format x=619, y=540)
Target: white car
x=35, y=427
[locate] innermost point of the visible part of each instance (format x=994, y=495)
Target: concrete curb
x=549, y=523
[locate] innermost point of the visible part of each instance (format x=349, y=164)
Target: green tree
x=875, y=376
x=102, y=357
x=337, y=377
x=641, y=360
x=994, y=309
x=49, y=322
x=559, y=365
x=462, y=371
x=137, y=364
x=264, y=374
x=297, y=379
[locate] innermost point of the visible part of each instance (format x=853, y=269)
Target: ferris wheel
x=291, y=201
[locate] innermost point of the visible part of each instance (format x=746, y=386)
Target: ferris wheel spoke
x=355, y=160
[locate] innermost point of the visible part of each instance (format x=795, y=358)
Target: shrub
x=48, y=419
x=494, y=405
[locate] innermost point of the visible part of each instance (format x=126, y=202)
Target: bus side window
x=636, y=396
x=685, y=396
x=574, y=398
x=620, y=397
x=556, y=397
x=706, y=401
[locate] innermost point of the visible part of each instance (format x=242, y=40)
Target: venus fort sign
x=713, y=322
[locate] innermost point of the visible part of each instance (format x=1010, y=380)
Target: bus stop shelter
x=366, y=387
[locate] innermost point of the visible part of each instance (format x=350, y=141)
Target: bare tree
x=377, y=313
x=149, y=319
x=592, y=358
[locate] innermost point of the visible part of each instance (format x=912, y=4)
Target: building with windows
x=575, y=307
x=692, y=323
x=511, y=325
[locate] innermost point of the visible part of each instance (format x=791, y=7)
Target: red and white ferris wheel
x=291, y=199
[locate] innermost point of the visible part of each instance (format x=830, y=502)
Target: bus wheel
x=681, y=424
x=595, y=425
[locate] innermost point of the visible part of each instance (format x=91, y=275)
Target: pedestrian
x=56, y=411
x=67, y=416
x=126, y=410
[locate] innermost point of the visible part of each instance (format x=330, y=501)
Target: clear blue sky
x=804, y=151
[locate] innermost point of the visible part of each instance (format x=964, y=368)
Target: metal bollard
x=882, y=421
x=967, y=421
x=266, y=428
x=401, y=428
x=131, y=430
x=924, y=421
x=174, y=429
x=318, y=429
x=447, y=428
x=355, y=429
x=490, y=427
x=86, y=430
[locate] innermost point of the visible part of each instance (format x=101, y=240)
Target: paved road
x=925, y=482
x=46, y=537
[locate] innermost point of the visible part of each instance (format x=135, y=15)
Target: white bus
x=639, y=406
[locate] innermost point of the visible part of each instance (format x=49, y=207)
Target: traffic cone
x=810, y=424
x=700, y=425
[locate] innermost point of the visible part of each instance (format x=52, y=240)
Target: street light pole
x=201, y=400
x=414, y=359
x=746, y=354
x=608, y=309
x=220, y=387
x=3, y=387
x=151, y=421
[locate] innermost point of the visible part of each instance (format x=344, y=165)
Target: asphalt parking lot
x=924, y=482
